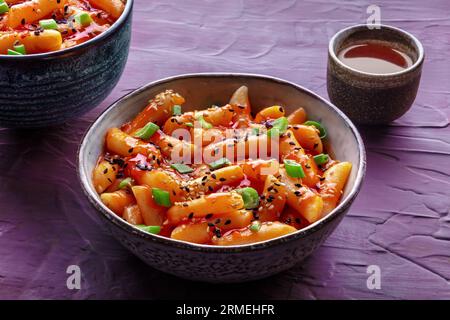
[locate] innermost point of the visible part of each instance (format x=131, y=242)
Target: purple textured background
x=400, y=221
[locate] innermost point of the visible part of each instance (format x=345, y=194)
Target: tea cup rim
x=417, y=63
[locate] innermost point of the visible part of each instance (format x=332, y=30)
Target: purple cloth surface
x=400, y=221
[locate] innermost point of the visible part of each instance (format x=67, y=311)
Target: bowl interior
x=202, y=91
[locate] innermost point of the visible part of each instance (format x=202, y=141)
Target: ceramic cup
x=369, y=98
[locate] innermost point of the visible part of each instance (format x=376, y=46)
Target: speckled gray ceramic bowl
x=369, y=98
x=49, y=88
x=215, y=263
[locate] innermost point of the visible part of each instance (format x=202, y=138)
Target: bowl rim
x=54, y=54
x=129, y=228
x=356, y=27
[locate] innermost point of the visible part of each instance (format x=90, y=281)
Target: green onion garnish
x=146, y=131
x=255, y=226
x=318, y=125
x=161, y=197
x=294, y=169
x=125, y=183
x=176, y=110
x=48, y=24
x=250, y=197
x=321, y=159
x=279, y=126
x=203, y=123
x=181, y=167
x=83, y=18
x=149, y=229
x=222, y=162
x=255, y=131
x=3, y=7
x=14, y=53
x=189, y=124
x=20, y=48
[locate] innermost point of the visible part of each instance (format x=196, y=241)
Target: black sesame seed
x=105, y=171
x=227, y=222
x=191, y=215
x=209, y=216
x=222, y=179
x=130, y=150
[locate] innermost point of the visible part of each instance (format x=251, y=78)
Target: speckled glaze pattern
x=218, y=263
x=48, y=89
x=373, y=98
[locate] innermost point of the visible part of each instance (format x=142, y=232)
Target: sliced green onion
x=176, y=110
x=20, y=48
x=321, y=159
x=255, y=131
x=318, y=125
x=161, y=197
x=250, y=197
x=3, y=7
x=14, y=53
x=149, y=229
x=48, y=24
x=181, y=167
x=274, y=132
x=83, y=18
x=255, y=226
x=279, y=126
x=294, y=169
x=189, y=124
x=125, y=183
x=222, y=162
x=203, y=123
x=146, y=131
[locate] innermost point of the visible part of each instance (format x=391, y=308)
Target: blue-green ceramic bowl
x=49, y=88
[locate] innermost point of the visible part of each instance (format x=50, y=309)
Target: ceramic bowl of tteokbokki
x=221, y=177
x=59, y=58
